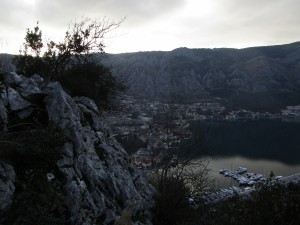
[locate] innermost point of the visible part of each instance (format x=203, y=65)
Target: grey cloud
x=231, y=21
x=13, y=14
x=246, y=7
x=56, y=15
x=260, y=12
x=268, y=20
x=238, y=23
x=138, y=11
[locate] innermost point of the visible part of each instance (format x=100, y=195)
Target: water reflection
x=262, y=146
x=267, y=140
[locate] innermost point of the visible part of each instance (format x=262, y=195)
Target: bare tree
x=179, y=187
x=179, y=177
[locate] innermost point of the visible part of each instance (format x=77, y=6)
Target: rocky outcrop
x=99, y=180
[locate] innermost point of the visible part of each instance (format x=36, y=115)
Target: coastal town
x=160, y=126
x=206, y=109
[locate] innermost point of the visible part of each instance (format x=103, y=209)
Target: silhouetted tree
x=73, y=58
x=179, y=178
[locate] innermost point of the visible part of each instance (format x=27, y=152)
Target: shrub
x=72, y=61
x=92, y=80
x=275, y=204
x=33, y=150
x=172, y=206
x=177, y=185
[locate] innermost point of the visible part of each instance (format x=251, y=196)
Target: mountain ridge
x=263, y=78
x=268, y=74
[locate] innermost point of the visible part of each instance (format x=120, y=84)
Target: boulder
x=16, y=102
x=12, y=79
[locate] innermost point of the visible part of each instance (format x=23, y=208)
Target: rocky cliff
x=257, y=78
x=97, y=182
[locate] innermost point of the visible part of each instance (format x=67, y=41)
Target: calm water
x=253, y=165
x=262, y=146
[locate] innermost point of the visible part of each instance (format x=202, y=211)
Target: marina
x=247, y=185
x=243, y=178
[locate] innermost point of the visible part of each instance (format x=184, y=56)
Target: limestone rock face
x=99, y=180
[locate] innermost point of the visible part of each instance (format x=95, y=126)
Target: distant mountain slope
x=257, y=78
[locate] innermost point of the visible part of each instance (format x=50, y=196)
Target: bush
x=92, y=80
x=272, y=205
x=178, y=186
x=72, y=61
x=172, y=205
x=33, y=150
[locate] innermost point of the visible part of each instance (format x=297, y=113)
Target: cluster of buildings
x=291, y=111
x=143, y=158
x=152, y=156
x=146, y=110
x=161, y=125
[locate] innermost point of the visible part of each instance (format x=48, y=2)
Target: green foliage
x=272, y=205
x=5, y=62
x=91, y=80
x=72, y=60
x=29, y=61
x=29, y=146
x=36, y=202
x=33, y=150
x=171, y=205
x=28, y=65
x=33, y=40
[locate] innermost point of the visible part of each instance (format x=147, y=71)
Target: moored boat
x=241, y=170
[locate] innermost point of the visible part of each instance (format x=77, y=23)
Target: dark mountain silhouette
x=258, y=78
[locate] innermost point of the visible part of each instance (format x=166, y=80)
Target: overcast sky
x=158, y=24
